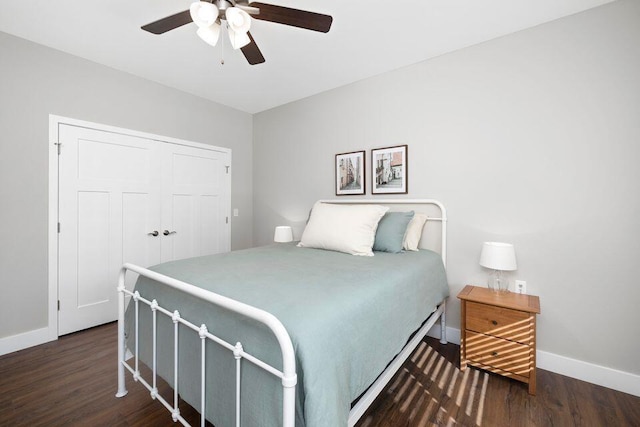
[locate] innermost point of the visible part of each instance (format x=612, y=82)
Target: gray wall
x=533, y=139
x=36, y=81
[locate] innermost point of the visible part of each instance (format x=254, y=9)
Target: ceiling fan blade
x=252, y=52
x=293, y=17
x=169, y=23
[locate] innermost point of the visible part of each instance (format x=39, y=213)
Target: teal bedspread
x=347, y=316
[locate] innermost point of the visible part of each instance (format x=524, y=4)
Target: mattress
x=347, y=317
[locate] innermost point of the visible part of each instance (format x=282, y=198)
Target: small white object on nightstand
x=283, y=234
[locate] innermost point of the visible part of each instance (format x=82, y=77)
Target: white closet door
x=109, y=200
x=115, y=192
x=195, y=202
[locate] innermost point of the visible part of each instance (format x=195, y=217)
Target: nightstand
x=498, y=333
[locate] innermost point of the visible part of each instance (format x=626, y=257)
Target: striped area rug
x=429, y=390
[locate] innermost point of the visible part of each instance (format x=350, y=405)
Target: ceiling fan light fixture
x=239, y=20
x=204, y=14
x=236, y=15
x=237, y=39
x=210, y=34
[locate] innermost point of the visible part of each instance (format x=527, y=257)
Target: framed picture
x=389, y=170
x=350, y=173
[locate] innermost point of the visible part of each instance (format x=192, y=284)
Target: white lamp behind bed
x=283, y=234
x=499, y=257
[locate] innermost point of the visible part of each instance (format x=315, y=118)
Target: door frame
x=54, y=123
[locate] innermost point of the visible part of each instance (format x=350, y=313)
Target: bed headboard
x=434, y=234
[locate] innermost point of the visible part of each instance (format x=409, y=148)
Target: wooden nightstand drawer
x=500, y=322
x=491, y=352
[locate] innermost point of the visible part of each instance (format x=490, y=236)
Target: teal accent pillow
x=390, y=232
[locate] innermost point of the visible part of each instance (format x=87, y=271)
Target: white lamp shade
x=238, y=40
x=210, y=34
x=203, y=13
x=283, y=234
x=239, y=20
x=498, y=256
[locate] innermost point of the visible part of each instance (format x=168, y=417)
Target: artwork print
x=350, y=173
x=389, y=170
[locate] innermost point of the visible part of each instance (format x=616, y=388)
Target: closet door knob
x=167, y=232
x=154, y=233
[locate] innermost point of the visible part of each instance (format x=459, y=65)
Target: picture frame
x=389, y=170
x=350, y=173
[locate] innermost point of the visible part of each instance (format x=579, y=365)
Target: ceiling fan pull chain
x=222, y=52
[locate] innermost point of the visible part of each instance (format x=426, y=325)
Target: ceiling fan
x=207, y=15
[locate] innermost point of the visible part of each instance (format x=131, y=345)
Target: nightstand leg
x=533, y=357
x=532, y=383
x=463, y=347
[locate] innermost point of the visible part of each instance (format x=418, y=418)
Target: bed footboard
x=287, y=375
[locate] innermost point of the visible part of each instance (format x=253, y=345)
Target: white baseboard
x=26, y=339
x=453, y=334
x=595, y=374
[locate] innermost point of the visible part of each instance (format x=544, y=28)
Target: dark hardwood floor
x=72, y=382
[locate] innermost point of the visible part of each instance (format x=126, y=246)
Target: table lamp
x=283, y=234
x=499, y=257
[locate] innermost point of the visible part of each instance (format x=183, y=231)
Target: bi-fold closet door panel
x=195, y=204
x=118, y=196
x=109, y=199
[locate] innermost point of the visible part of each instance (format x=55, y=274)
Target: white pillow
x=414, y=232
x=343, y=228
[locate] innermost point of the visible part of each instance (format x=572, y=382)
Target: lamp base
x=497, y=282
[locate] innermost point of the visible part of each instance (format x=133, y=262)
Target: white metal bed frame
x=288, y=373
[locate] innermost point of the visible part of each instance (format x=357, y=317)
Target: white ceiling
x=367, y=38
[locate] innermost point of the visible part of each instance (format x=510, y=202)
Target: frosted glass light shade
x=210, y=34
x=238, y=20
x=283, y=234
x=238, y=40
x=203, y=13
x=498, y=256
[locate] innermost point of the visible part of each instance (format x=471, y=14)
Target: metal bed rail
x=378, y=385
x=287, y=375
